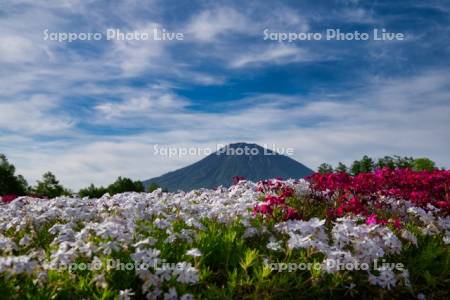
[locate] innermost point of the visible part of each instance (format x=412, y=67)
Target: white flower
x=186, y=273
x=126, y=294
x=147, y=256
x=392, y=242
x=373, y=280
x=426, y=218
x=17, y=264
x=444, y=223
x=100, y=281
x=6, y=244
x=386, y=279
x=446, y=239
x=41, y=278
x=407, y=235
x=161, y=223
x=298, y=241
x=336, y=259
x=250, y=232
x=64, y=256
x=315, y=222
x=430, y=229
x=171, y=238
x=25, y=241
x=171, y=295
x=97, y=227
x=147, y=241
x=405, y=276
x=194, y=252
x=164, y=273
x=274, y=246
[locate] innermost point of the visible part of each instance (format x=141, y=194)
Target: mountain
x=241, y=159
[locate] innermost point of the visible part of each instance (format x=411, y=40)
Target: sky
x=93, y=110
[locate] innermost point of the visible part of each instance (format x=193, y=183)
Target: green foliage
x=423, y=164
x=428, y=264
x=341, y=168
x=92, y=191
x=355, y=168
x=234, y=267
x=386, y=162
x=123, y=184
x=366, y=164
x=49, y=187
x=325, y=168
x=9, y=182
x=418, y=164
x=403, y=162
x=152, y=187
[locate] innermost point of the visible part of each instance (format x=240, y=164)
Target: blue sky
x=93, y=110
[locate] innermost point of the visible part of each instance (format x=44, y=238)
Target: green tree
x=403, y=162
x=49, y=187
x=355, y=167
x=367, y=164
x=325, y=168
x=341, y=168
x=122, y=185
x=385, y=162
x=92, y=191
x=423, y=164
x=152, y=187
x=9, y=182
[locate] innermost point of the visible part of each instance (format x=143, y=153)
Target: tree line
x=50, y=187
x=367, y=164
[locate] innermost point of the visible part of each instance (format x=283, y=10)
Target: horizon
x=197, y=74
x=236, y=149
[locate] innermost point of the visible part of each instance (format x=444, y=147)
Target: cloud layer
x=94, y=110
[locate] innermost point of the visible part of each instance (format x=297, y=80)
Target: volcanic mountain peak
x=238, y=159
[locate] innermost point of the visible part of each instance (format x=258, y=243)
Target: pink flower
x=8, y=198
x=291, y=214
x=262, y=208
x=287, y=192
x=397, y=223
x=274, y=200
x=371, y=220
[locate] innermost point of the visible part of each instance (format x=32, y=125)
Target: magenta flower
x=371, y=220
x=8, y=198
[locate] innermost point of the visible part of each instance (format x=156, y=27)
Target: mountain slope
x=219, y=169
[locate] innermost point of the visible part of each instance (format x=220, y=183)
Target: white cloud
x=221, y=22
x=407, y=116
x=357, y=15
x=212, y=23
x=137, y=56
x=375, y=120
x=33, y=116
x=272, y=54
x=16, y=49
x=147, y=105
x=139, y=107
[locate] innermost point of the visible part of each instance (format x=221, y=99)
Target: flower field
x=382, y=235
